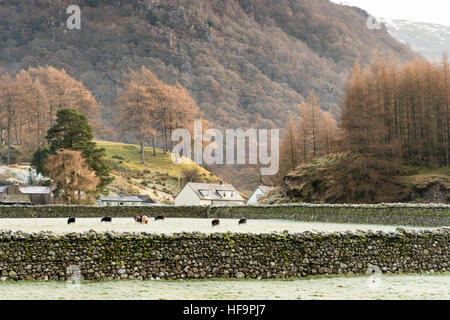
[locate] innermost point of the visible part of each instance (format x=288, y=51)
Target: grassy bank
x=158, y=177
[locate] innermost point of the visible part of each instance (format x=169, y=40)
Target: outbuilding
x=119, y=201
x=39, y=195
x=14, y=199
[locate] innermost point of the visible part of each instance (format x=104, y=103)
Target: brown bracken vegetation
x=245, y=62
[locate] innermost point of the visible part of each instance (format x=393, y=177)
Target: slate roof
x=30, y=189
x=146, y=198
x=213, y=191
x=35, y=190
x=14, y=199
x=120, y=199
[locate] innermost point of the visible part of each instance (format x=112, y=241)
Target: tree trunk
x=164, y=133
x=154, y=147
x=9, y=141
x=141, y=142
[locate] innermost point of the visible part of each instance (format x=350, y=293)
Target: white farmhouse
x=261, y=191
x=206, y=194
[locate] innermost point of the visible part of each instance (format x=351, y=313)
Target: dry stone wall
x=101, y=256
x=389, y=214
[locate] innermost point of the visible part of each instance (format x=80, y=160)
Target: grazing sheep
x=242, y=221
x=71, y=220
x=106, y=219
x=160, y=217
x=138, y=218
x=215, y=222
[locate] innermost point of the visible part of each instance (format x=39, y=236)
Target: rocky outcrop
x=177, y=17
x=356, y=178
x=437, y=190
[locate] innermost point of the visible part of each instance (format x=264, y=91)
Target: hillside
x=246, y=62
x=429, y=39
x=352, y=178
x=158, y=178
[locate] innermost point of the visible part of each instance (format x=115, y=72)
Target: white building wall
x=187, y=197
x=255, y=196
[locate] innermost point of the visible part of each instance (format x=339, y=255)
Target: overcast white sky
x=434, y=11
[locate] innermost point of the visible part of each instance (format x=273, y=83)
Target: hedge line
x=411, y=215
x=59, y=211
x=433, y=216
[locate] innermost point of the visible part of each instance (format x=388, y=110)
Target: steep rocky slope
x=246, y=62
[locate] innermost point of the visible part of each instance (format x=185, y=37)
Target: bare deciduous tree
x=75, y=182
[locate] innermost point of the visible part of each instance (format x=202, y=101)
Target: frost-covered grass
x=178, y=225
x=431, y=286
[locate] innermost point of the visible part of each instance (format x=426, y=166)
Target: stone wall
x=388, y=214
x=58, y=211
x=47, y=256
x=391, y=214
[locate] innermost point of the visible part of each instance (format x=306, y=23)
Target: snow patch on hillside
x=20, y=174
x=429, y=39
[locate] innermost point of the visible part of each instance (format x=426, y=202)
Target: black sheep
x=71, y=220
x=160, y=217
x=215, y=222
x=106, y=219
x=242, y=221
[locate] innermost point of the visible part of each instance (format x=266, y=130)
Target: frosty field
x=176, y=225
x=385, y=286
x=430, y=286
